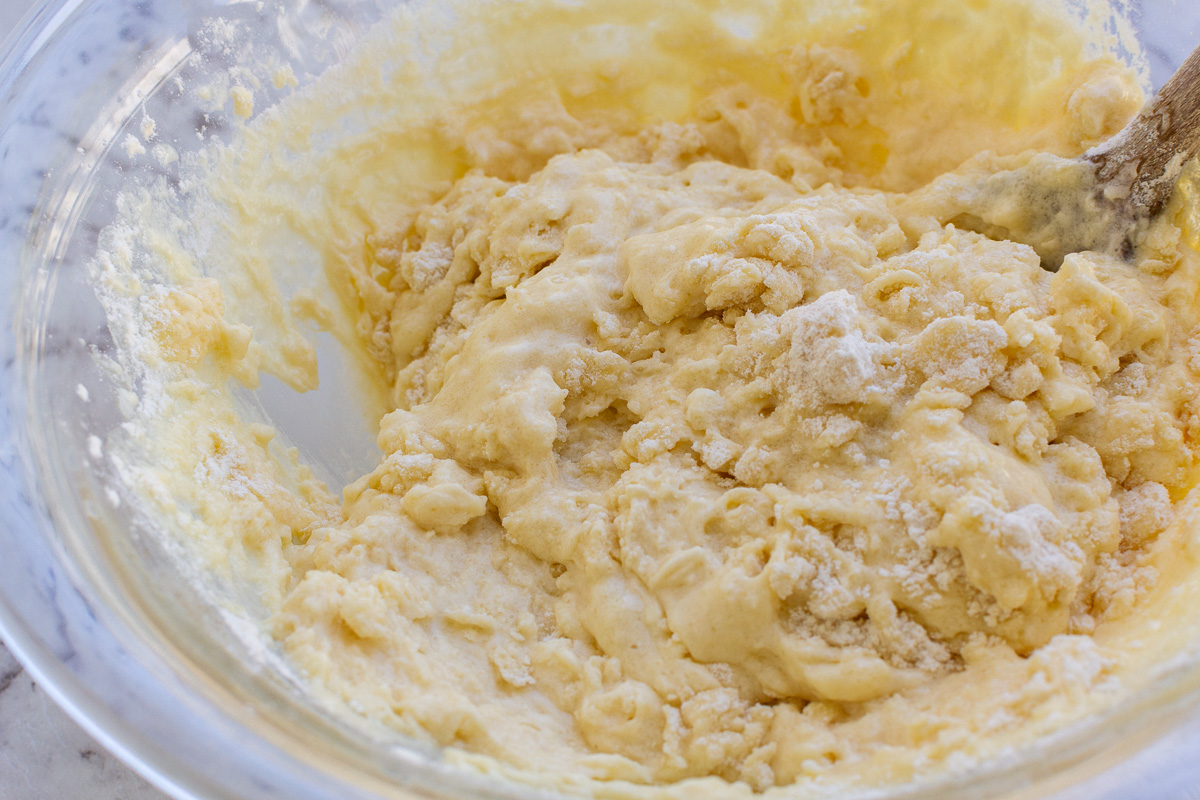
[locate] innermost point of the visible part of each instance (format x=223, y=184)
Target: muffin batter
x=718, y=446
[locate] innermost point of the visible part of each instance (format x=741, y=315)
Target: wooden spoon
x=1143, y=161
x=1101, y=201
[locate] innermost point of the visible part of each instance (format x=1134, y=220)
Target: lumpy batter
x=719, y=447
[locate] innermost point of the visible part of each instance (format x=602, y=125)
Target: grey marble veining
x=46, y=756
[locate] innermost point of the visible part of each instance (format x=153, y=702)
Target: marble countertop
x=44, y=755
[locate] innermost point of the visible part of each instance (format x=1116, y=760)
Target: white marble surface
x=44, y=755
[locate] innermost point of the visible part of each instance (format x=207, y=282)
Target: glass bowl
x=93, y=603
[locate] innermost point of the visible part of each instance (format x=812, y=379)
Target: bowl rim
x=1175, y=696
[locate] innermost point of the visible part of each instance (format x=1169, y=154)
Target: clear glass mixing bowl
x=91, y=604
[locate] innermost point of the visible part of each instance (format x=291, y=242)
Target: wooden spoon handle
x=1146, y=157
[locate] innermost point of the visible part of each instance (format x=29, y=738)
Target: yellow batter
x=717, y=447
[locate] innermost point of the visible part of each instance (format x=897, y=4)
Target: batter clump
x=704, y=446
x=718, y=445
